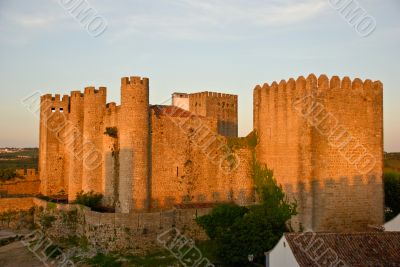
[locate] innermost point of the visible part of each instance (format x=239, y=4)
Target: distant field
x=392, y=162
x=18, y=159
x=28, y=158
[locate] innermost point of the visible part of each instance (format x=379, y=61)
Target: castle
x=322, y=138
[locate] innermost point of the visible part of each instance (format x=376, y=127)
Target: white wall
x=180, y=100
x=281, y=255
x=393, y=225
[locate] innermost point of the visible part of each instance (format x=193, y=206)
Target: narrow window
x=177, y=171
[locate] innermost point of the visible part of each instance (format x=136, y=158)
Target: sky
x=188, y=46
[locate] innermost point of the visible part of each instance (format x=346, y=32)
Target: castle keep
x=323, y=139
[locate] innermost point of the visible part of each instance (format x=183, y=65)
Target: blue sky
x=189, y=45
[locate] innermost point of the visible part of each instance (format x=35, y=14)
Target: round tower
x=134, y=182
x=94, y=105
x=75, y=142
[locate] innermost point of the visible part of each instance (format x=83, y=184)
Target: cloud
x=160, y=19
x=264, y=13
x=202, y=19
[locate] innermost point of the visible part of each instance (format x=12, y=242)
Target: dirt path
x=17, y=255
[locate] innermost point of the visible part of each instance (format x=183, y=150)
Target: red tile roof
x=172, y=111
x=353, y=249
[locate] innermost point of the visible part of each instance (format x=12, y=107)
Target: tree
x=89, y=199
x=220, y=218
x=392, y=194
x=239, y=232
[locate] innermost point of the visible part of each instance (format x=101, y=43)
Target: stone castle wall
x=26, y=182
x=132, y=232
x=14, y=204
x=194, y=170
x=324, y=139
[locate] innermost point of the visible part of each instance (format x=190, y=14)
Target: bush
x=102, y=260
x=239, y=231
x=47, y=221
x=392, y=194
x=89, y=199
x=7, y=174
x=220, y=218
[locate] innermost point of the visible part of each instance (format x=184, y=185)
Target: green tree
x=239, y=232
x=221, y=218
x=89, y=199
x=392, y=194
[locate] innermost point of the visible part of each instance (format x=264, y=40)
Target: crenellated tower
x=134, y=126
x=53, y=161
x=324, y=140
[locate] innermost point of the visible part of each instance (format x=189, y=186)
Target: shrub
x=7, y=174
x=89, y=199
x=101, y=260
x=220, y=218
x=47, y=221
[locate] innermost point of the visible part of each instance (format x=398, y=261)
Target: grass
x=102, y=260
x=75, y=241
x=159, y=258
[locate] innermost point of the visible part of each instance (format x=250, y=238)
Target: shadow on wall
x=227, y=128
x=331, y=205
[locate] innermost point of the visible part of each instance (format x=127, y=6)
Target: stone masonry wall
x=20, y=187
x=190, y=162
x=23, y=203
x=134, y=233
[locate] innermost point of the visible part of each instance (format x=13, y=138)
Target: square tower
x=223, y=107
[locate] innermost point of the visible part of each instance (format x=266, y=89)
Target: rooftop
x=353, y=249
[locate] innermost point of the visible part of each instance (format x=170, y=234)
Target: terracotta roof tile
x=353, y=249
x=172, y=111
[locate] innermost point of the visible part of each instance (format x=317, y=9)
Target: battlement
x=28, y=174
x=75, y=94
x=134, y=80
x=215, y=95
x=92, y=91
x=55, y=103
x=314, y=84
